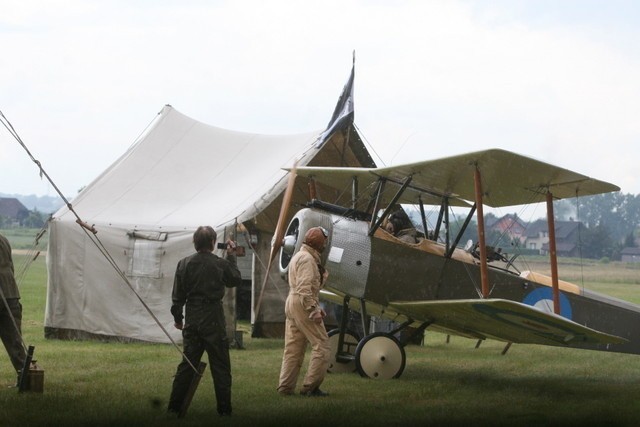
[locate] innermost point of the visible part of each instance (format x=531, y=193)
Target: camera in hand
x=239, y=249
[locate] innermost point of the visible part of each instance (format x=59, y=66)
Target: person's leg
x=320, y=355
x=295, y=344
x=11, y=338
x=217, y=346
x=193, y=349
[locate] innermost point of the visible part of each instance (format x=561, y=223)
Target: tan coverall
x=303, y=300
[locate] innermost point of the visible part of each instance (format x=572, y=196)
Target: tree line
x=610, y=222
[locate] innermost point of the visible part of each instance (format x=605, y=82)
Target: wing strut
x=461, y=232
x=381, y=184
x=551, y=225
x=443, y=208
x=447, y=227
x=424, y=218
x=484, y=270
x=354, y=193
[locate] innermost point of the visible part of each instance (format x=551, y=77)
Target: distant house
x=630, y=255
x=12, y=209
x=509, y=226
x=567, y=237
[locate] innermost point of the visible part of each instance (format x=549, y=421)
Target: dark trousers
x=196, y=342
x=11, y=338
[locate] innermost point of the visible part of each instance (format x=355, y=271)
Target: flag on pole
x=343, y=114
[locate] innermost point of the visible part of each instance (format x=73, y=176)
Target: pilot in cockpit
x=400, y=226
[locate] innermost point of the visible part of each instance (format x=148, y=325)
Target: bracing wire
x=476, y=286
x=520, y=214
x=93, y=237
x=32, y=254
x=370, y=147
x=502, y=236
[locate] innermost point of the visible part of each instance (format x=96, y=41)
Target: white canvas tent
x=181, y=174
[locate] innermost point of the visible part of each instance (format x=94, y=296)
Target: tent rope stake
x=91, y=232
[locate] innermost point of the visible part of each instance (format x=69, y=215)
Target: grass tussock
x=116, y=384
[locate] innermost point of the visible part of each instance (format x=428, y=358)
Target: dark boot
x=316, y=392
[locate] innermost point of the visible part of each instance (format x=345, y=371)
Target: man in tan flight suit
x=305, y=318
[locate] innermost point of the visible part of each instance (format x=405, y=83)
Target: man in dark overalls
x=200, y=283
x=10, y=308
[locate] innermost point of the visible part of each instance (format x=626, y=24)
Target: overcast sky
x=555, y=80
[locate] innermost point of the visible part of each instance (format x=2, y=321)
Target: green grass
x=23, y=238
x=100, y=384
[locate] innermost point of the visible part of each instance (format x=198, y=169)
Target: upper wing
x=507, y=179
x=503, y=320
x=338, y=178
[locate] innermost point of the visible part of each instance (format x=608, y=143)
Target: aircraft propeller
x=278, y=234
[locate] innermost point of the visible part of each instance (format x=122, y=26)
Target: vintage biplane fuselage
x=435, y=284
x=381, y=270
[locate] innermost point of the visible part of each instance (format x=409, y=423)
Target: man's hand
x=231, y=247
x=317, y=316
x=178, y=325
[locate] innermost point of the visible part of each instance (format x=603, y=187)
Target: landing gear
x=380, y=356
x=342, y=360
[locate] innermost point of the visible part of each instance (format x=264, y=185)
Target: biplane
x=435, y=283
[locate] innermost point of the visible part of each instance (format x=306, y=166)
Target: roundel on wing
x=542, y=299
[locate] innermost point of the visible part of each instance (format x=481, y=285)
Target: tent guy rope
x=92, y=234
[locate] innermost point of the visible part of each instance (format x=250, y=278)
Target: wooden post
x=551, y=224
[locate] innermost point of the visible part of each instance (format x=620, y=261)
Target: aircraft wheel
x=349, y=344
x=380, y=356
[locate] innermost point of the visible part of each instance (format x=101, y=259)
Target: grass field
x=23, y=238
x=112, y=384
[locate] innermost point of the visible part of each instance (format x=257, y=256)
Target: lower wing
x=503, y=320
x=498, y=319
